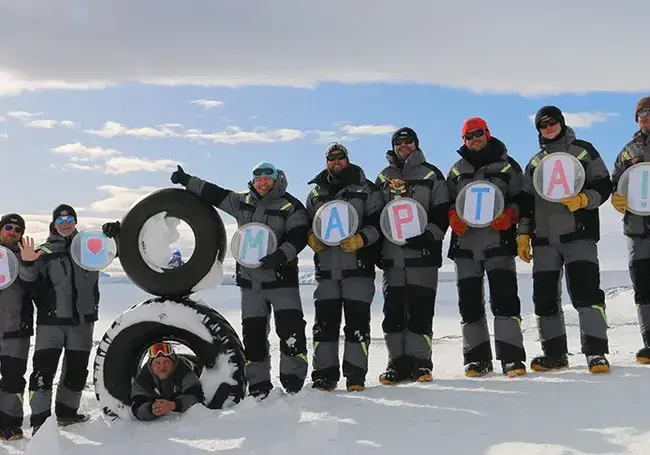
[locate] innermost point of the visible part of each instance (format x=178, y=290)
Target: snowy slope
x=568, y=412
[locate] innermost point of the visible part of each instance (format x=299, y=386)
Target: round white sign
x=479, y=203
x=401, y=219
x=634, y=184
x=9, y=267
x=92, y=250
x=558, y=176
x=335, y=221
x=251, y=242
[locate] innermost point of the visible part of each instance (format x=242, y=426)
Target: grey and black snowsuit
x=486, y=250
x=183, y=387
x=346, y=280
x=263, y=288
x=410, y=278
x=561, y=238
x=16, y=329
x=67, y=302
x=637, y=229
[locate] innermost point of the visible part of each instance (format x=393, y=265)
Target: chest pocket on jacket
x=59, y=269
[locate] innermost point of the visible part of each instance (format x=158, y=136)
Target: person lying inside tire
x=167, y=383
x=275, y=282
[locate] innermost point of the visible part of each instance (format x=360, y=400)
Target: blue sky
x=97, y=119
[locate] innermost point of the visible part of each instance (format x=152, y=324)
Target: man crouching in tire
x=275, y=282
x=67, y=300
x=165, y=384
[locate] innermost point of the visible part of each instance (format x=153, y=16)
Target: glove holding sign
x=274, y=260
x=352, y=244
x=424, y=241
x=455, y=223
x=577, y=202
x=505, y=221
x=111, y=230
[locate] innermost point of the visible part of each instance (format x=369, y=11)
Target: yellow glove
x=351, y=243
x=619, y=202
x=523, y=247
x=315, y=244
x=579, y=201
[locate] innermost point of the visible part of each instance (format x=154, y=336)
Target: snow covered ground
x=568, y=412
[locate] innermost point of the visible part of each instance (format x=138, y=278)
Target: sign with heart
x=9, y=267
x=92, y=250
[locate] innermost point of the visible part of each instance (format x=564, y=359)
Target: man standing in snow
x=636, y=227
x=411, y=271
x=565, y=234
x=16, y=329
x=490, y=250
x=275, y=282
x=167, y=383
x=67, y=300
x=345, y=273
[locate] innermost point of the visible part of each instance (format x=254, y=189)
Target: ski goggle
x=158, y=349
x=11, y=227
x=546, y=124
x=336, y=156
x=64, y=219
x=264, y=171
x=473, y=134
x=403, y=141
x=643, y=113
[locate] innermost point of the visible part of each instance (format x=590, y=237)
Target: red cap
x=475, y=123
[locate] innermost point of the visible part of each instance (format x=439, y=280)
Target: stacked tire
x=172, y=315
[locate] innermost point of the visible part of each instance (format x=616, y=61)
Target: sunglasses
x=473, y=134
x=158, y=349
x=11, y=227
x=263, y=171
x=546, y=124
x=643, y=113
x=336, y=156
x=64, y=219
x=404, y=141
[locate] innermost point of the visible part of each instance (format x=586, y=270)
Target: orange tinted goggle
x=164, y=349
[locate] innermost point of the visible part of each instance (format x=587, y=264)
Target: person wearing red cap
x=565, y=234
x=487, y=250
x=637, y=227
x=410, y=278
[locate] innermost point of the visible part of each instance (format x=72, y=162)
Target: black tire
x=121, y=349
x=210, y=242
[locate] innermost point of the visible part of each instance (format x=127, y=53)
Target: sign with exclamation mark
x=637, y=182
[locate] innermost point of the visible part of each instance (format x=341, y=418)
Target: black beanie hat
x=549, y=112
x=12, y=218
x=63, y=210
x=406, y=132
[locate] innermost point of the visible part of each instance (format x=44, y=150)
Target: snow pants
x=289, y=326
x=580, y=261
x=504, y=303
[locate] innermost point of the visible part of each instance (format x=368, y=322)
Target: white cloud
x=81, y=167
x=120, y=199
x=371, y=130
x=232, y=135
x=4, y=135
x=208, y=104
x=77, y=149
x=22, y=115
x=295, y=48
x=69, y=124
x=42, y=123
x=582, y=119
x=124, y=164
x=3, y=119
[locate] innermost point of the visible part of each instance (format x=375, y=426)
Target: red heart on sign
x=2, y=279
x=94, y=245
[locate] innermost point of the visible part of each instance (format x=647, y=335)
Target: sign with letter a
x=558, y=176
x=335, y=221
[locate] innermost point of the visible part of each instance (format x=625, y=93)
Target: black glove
x=111, y=230
x=274, y=260
x=179, y=176
x=421, y=242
